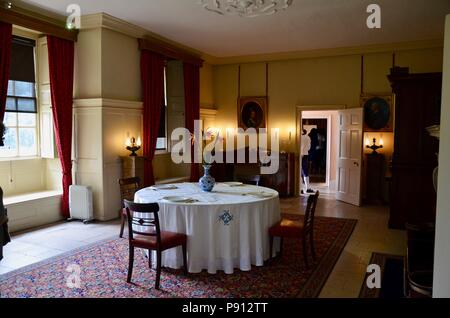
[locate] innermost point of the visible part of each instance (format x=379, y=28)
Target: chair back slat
x=254, y=179
x=310, y=212
x=143, y=219
x=128, y=187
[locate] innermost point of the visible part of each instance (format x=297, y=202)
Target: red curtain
x=5, y=61
x=61, y=64
x=152, y=73
x=192, y=106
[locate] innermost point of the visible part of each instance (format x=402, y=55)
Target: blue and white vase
x=206, y=182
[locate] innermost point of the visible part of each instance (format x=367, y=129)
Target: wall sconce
x=7, y=4
x=133, y=145
x=374, y=146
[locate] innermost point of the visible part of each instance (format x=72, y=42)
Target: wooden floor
x=371, y=235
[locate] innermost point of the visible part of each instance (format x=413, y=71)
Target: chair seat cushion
x=168, y=240
x=287, y=228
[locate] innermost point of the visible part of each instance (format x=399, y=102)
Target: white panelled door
x=350, y=156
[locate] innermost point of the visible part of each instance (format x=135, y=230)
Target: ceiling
x=306, y=25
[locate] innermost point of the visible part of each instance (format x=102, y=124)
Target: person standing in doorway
x=306, y=146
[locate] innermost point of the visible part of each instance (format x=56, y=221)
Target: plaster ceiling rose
x=246, y=8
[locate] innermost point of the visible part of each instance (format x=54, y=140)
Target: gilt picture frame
x=252, y=112
x=378, y=112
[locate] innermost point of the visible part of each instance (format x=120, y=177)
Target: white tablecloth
x=227, y=228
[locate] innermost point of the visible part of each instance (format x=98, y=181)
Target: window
x=161, y=142
x=21, y=110
x=20, y=121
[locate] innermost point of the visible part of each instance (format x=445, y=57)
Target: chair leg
x=122, y=224
x=271, y=246
x=311, y=242
x=130, y=264
x=185, y=265
x=158, y=269
x=305, y=252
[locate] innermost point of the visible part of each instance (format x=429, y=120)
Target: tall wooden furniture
x=133, y=167
x=374, y=170
x=301, y=230
x=144, y=232
x=417, y=106
x=128, y=187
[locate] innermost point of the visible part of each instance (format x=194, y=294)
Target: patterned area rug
x=104, y=270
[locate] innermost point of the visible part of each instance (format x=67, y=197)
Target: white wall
x=441, y=286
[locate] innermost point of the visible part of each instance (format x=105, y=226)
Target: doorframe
x=298, y=129
x=328, y=119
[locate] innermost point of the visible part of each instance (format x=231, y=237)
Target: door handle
x=356, y=164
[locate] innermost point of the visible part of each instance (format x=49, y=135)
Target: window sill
x=19, y=158
x=21, y=198
x=161, y=152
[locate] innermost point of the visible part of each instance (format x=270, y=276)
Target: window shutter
x=48, y=147
x=22, y=60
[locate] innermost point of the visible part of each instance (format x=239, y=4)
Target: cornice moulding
x=103, y=20
x=356, y=50
x=106, y=21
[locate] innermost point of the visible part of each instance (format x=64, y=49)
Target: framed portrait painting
x=378, y=112
x=252, y=112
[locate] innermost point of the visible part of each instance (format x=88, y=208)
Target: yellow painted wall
x=206, y=86
x=121, y=73
x=313, y=81
x=88, y=66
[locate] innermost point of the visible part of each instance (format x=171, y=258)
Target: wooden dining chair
x=128, y=187
x=149, y=236
x=296, y=229
x=249, y=179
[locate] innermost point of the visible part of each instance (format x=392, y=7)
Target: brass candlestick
x=374, y=147
x=133, y=146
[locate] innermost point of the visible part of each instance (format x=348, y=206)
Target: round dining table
x=226, y=228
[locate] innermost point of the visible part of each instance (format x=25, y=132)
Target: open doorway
x=322, y=128
x=317, y=131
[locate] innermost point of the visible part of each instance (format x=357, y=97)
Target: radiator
x=80, y=203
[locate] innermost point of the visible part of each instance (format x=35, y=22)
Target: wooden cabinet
x=417, y=106
x=133, y=167
x=374, y=171
x=283, y=181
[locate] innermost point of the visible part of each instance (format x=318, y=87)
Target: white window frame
x=165, y=150
x=18, y=127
